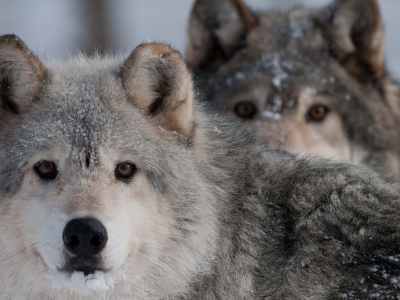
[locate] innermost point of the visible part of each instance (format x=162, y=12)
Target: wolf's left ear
x=158, y=82
x=21, y=75
x=355, y=30
x=216, y=28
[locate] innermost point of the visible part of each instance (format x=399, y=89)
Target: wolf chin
x=309, y=81
x=116, y=184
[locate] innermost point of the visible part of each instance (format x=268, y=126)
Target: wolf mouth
x=86, y=270
x=86, y=265
x=84, y=274
x=78, y=281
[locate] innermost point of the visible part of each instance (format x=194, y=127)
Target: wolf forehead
x=278, y=71
x=81, y=111
x=80, y=103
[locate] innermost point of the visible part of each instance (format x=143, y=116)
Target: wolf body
x=116, y=184
x=312, y=82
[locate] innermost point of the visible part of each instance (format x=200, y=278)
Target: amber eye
x=245, y=110
x=317, y=113
x=46, y=170
x=125, y=170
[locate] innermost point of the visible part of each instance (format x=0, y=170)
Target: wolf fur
x=210, y=213
x=286, y=63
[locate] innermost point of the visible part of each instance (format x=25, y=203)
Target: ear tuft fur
x=21, y=75
x=215, y=29
x=355, y=30
x=157, y=80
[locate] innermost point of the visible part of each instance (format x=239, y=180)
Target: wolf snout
x=85, y=236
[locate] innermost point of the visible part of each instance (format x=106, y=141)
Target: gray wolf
x=312, y=82
x=116, y=184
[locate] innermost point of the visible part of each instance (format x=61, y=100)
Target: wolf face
x=312, y=82
x=90, y=196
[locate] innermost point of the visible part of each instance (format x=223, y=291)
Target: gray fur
x=337, y=52
x=246, y=221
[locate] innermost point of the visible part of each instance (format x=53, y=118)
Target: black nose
x=86, y=236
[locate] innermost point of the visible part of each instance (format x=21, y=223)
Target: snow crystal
x=99, y=281
x=394, y=280
x=217, y=130
x=271, y=115
x=277, y=103
x=374, y=295
x=309, y=92
x=276, y=81
x=239, y=75
x=271, y=111
x=279, y=73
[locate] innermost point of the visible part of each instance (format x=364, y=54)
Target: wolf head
x=90, y=193
x=309, y=81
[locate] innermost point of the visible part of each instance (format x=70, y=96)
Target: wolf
x=115, y=183
x=309, y=81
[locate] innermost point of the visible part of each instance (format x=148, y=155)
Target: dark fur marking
x=155, y=107
x=157, y=181
x=5, y=96
x=87, y=265
x=87, y=159
x=289, y=240
x=163, y=90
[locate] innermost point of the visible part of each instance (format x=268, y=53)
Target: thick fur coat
x=309, y=81
x=209, y=213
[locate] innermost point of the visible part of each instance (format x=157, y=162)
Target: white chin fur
x=78, y=282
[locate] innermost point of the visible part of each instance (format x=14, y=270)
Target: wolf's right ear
x=215, y=29
x=156, y=79
x=21, y=75
x=355, y=32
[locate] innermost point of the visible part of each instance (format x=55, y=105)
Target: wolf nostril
x=95, y=241
x=74, y=240
x=84, y=237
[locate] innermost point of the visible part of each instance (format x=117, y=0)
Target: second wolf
x=309, y=81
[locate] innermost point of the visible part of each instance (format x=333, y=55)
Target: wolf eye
x=317, y=113
x=245, y=109
x=125, y=170
x=46, y=170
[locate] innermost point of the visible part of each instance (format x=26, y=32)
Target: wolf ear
x=21, y=75
x=215, y=30
x=158, y=82
x=355, y=31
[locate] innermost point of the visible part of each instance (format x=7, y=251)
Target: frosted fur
x=210, y=215
x=73, y=96
x=336, y=51
x=98, y=282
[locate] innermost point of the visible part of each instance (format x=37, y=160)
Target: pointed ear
x=355, y=30
x=215, y=30
x=21, y=75
x=158, y=82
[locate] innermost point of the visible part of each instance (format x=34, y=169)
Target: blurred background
x=57, y=28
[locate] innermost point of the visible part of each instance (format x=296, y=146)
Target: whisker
x=10, y=257
x=156, y=261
